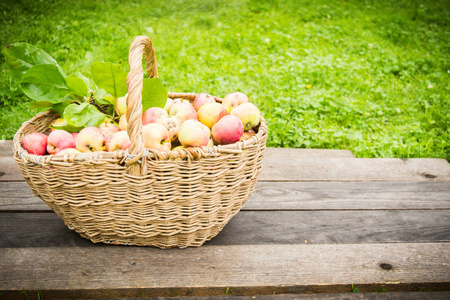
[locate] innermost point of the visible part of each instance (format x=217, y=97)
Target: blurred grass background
x=368, y=76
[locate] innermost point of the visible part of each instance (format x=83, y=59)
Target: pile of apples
x=179, y=124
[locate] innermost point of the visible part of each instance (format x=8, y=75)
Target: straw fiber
x=144, y=197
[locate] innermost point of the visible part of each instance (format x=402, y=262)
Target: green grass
x=368, y=76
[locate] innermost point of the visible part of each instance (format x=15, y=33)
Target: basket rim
x=190, y=153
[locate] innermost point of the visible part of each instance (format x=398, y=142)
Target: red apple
x=35, y=143
x=59, y=140
x=91, y=139
x=118, y=141
x=201, y=99
x=233, y=100
x=156, y=137
x=193, y=134
x=247, y=135
x=228, y=130
x=210, y=113
x=184, y=111
x=152, y=114
x=248, y=113
x=172, y=124
x=108, y=128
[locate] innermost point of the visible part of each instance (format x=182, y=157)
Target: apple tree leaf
x=77, y=85
x=154, y=93
x=83, y=115
x=20, y=57
x=45, y=83
x=110, y=77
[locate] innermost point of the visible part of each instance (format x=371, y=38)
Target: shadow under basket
x=155, y=198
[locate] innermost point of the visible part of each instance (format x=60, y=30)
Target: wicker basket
x=143, y=197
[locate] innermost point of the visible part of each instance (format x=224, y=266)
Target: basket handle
x=141, y=46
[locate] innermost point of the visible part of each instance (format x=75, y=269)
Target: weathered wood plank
x=259, y=228
x=322, y=169
x=316, y=295
x=320, y=296
x=128, y=271
x=357, y=195
x=9, y=170
x=345, y=169
x=17, y=196
x=6, y=148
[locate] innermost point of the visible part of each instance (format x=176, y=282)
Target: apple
x=156, y=137
x=233, y=100
x=118, y=141
x=193, y=134
x=152, y=114
x=35, y=143
x=228, y=130
x=123, y=123
x=108, y=128
x=59, y=140
x=210, y=113
x=169, y=103
x=172, y=124
x=184, y=111
x=121, y=105
x=247, y=135
x=74, y=134
x=68, y=151
x=91, y=139
x=201, y=99
x=210, y=142
x=248, y=113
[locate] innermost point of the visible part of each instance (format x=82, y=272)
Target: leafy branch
x=79, y=101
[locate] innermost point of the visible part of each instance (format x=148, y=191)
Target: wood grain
x=9, y=170
x=253, y=268
x=259, y=228
x=322, y=169
x=6, y=148
x=347, y=169
x=360, y=195
x=323, y=296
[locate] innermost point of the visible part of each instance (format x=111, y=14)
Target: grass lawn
x=368, y=76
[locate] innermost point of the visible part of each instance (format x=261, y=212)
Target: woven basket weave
x=144, y=197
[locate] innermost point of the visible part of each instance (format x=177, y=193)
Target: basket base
x=163, y=242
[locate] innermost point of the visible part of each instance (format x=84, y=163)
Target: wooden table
x=319, y=221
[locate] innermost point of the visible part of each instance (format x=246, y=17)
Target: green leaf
x=86, y=80
x=154, y=93
x=45, y=83
x=110, y=77
x=22, y=56
x=59, y=108
x=66, y=126
x=77, y=86
x=83, y=115
x=41, y=104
